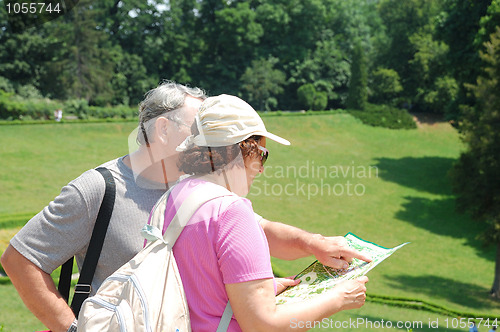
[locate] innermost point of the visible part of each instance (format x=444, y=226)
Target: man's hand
x=334, y=251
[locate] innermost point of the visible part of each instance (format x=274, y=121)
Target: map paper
x=317, y=278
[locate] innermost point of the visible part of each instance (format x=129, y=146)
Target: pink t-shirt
x=221, y=244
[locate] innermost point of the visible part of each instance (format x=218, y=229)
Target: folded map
x=317, y=277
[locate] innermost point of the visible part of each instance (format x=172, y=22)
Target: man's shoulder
x=112, y=164
x=92, y=180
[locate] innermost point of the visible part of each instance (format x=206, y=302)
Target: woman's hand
x=255, y=309
x=283, y=283
x=352, y=293
x=334, y=251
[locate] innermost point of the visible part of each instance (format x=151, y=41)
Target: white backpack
x=146, y=294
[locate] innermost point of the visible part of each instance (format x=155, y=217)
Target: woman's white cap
x=226, y=120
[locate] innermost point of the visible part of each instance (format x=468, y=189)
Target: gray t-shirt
x=64, y=227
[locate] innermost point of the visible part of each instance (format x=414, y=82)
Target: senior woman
x=222, y=253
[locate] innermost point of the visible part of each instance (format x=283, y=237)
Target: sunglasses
x=264, y=154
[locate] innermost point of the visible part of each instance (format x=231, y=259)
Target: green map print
x=317, y=278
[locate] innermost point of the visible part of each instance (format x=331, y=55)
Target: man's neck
x=159, y=170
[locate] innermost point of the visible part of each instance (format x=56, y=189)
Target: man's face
x=190, y=108
x=179, y=131
x=167, y=135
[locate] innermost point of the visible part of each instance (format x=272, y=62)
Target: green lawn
x=399, y=191
x=37, y=160
x=409, y=199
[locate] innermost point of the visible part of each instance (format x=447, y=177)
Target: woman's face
x=253, y=164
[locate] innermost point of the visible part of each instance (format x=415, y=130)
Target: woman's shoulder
x=200, y=187
x=217, y=206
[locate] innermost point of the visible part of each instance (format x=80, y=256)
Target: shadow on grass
x=439, y=216
x=430, y=175
x=427, y=174
x=451, y=290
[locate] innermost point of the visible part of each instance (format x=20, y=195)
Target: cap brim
x=276, y=138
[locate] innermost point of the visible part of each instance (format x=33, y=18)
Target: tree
x=263, y=82
x=84, y=60
x=326, y=68
x=458, y=28
x=412, y=49
x=476, y=176
x=426, y=71
x=23, y=52
x=129, y=80
x=181, y=38
x=402, y=19
x=488, y=23
x=358, y=93
x=238, y=36
x=385, y=86
x=440, y=98
x=292, y=27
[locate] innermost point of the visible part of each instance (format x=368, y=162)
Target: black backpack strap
x=65, y=278
x=83, y=288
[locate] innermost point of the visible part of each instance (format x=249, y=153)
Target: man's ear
x=161, y=130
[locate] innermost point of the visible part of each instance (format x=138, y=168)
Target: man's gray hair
x=167, y=97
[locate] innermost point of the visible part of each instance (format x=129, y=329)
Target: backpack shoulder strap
x=83, y=288
x=225, y=319
x=189, y=206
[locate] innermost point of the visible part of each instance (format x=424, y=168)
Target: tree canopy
x=110, y=52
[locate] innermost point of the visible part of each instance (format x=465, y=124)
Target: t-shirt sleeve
x=63, y=228
x=258, y=217
x=242, y=248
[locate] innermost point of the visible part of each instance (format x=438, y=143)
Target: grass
x=403, y=194
x=14, y=316
x=37, y=160
x=408, y=198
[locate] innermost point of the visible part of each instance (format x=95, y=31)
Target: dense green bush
x=305, y=94
x=440, y=99
x=13, y=107
x=320, y=100
x=6, y=85
x=28, y=91
x=78, y=107
x=312, y=99
x=385, y=86
x=124, y=112
x=385, y=116
x=81, y=108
